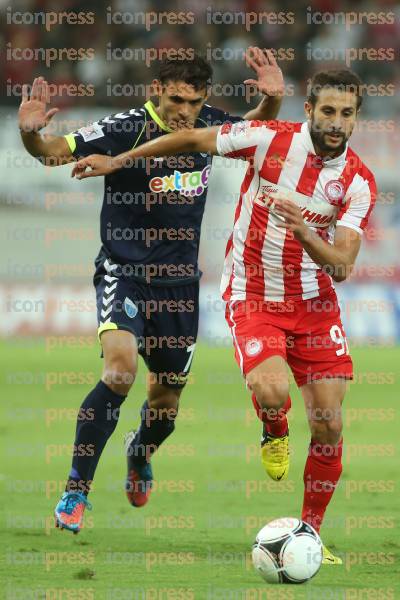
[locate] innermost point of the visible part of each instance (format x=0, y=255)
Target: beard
x=319, y=140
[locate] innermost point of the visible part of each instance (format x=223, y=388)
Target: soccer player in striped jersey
x=304, y=203
x=147, y=276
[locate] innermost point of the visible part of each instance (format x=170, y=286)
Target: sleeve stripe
x=361, y=200
x=373, y=192
x=244, y=153
x=244, y=139
x=71, y=141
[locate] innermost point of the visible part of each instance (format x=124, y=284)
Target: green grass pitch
x=193, y=539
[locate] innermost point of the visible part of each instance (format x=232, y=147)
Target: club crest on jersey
x=130, y=308
x=253, y=347
x=91, y=132
x=334, y=191
x=240, y=127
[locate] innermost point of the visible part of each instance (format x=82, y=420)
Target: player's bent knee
x=120, y=360
x=270, y=396
x=119, y=373
x=327, y=432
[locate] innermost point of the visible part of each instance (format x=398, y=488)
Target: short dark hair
x=196, y=71
x=342, y=79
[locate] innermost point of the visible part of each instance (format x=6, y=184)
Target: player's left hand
x=293, y=219
x=98, y=163
x=269, y=76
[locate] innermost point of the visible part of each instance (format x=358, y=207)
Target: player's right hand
x=98, y=163
x=269, y=76
x=32, y=115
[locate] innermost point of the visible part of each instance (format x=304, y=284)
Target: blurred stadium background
x=49, y=237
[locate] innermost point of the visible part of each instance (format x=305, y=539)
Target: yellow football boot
x=275, y=456
x=330, y=559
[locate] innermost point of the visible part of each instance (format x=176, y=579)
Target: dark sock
x=155, y=427
x=97, y=419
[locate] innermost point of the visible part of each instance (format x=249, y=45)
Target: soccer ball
x=287, y=550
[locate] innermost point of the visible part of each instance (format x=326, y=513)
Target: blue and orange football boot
x=69, y=511
x=139, y=478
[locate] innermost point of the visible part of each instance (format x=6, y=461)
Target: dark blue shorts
x=164, y=319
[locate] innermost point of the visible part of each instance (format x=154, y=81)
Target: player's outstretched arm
x=190, y=140
x=269, y=82
x=32, y=117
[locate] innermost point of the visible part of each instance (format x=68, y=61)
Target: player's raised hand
x=32, y=114
x=98, y=163
x=269, y=76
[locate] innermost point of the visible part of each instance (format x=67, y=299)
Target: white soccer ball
x=287, y=550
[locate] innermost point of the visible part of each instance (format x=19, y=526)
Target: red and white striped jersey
x=266, y=261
